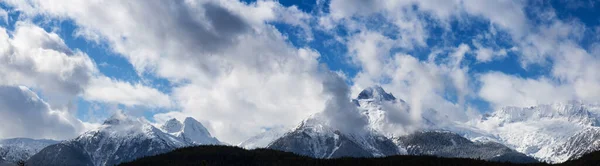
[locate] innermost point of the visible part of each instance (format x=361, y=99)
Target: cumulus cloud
x=24, y=114
x=341, y=114
x=4, y=15
x=248, y=99
x=32, y=57
x=485, y=54
x=38, y=59
x=107, y=90
x=506, y=90
x=233, y=71
x=421, y=83
x=369, y=50
x=447, y=79
x=443, y=76
x=555, y=46
x=573, y=77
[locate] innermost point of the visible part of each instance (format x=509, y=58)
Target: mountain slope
x=20, y=149
x=190, y=131
x=263, y=139
x=314, y=138
x=448, y=144
x=585, y=141
x=552, y=133
x=119, y=139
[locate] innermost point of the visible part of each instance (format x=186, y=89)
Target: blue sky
x=462, y=57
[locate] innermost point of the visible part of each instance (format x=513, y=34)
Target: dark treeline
x=227, y=155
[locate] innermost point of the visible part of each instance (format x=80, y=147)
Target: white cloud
x=509, y=15
x=410, y=24
x=238, y=74
x=505, y=90
x=24, y=114
x=487, y=54
x=421, y=83
x=370, y=50
x=34, y=58
x=239, y=104
x=233, y=71
x=554, y=46
x=41, y=60
x=573, y=77
x=340, y=113
x=4, y=15
x=551, y=44
x=107, y=90
x=38, y=59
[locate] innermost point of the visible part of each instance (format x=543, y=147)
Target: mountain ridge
x=119, y=139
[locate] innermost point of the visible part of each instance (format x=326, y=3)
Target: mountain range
x=121, y=139
x=552, y=133
x=20, y=149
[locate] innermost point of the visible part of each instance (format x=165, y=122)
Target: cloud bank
x=243, y=67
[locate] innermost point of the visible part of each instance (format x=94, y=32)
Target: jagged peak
x=375, y=93
x=196, y=133
x=117, y=118
x=572, y=110
x=191, y=124
x=172, y=126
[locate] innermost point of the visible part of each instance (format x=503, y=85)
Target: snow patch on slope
x=263, y=139
x=190, y=131
x=539, y=131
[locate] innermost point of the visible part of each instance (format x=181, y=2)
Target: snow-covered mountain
x=120, y=139
x=263, y=139
x=551, y=133
x=190, y=131
x=382, y=110
x=20, y=149
x=448, y=144
x=313, y=137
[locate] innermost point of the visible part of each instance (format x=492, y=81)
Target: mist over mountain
x=103, y=82
x=550, y=133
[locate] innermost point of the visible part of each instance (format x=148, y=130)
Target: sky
x=244, y=67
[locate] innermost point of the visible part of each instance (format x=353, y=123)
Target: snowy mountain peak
x=122, y=139
x=172, y=126
x=545, y=131
x=375, y=93
x=117, y=119
x=191, y=125
x=314, y=137
x=573, y=111
x=263, y=139
x=194, y=132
